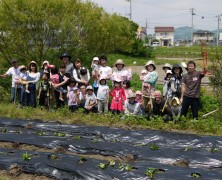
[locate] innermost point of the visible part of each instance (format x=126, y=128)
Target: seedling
x=4, y=130
x=154, y=147
x=102, y=165
x=213, y=150
x=60, y=134
x=112, y=163
x=26, y=156
x=125, y=167
x=55, y=157
x=196, y=175
x=151, y=172
x=76, y=137
x=82, y=159
x=187, y=148
x=40, y=133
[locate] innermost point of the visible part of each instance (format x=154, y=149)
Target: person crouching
x=132, y=107
x=175, y=108
x=91, y=101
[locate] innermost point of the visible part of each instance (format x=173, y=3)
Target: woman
x=32, y=78
x=44, y=68
x=175, y=82
x=80, y=74
x=121, y=72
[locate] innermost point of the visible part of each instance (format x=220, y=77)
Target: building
x=202, y=35
x=165, y=35
x=141, y=33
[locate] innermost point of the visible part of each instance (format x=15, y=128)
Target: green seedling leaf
x=128, y=168
x=112, y=163
x=82, y=159
x=187, y=148
x=55, y=157
x=60, y=134
x=154, y=147
x=196, y=175
x=121, y=167
x=26, y=156
x=40, y=133
x=76, y=137
x=151, y=172
x=4, y=130
x=141, y=144
x=125, y=167
x=213, y=150
x=102, y=165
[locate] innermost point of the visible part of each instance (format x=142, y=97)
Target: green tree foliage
x=38, y=30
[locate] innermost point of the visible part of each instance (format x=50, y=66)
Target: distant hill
x=184, y=33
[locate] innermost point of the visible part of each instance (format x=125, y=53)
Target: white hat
x=117, y=80
x=22, y=67
x=131, y=95
x=169, y=72
x=167, y=65
x=150, y=63
x=95, y=59
x=184, y=65
x=89, y=88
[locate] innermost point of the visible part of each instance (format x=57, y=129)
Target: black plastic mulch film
x=173, y=155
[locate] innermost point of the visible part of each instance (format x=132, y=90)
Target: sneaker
x=61, y=99
x=27, y=91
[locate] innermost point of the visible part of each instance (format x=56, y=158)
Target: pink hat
x=138, y=93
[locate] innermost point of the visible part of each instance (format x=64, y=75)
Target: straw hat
x=138, y=93
x=131, y=95
x=119, y=61
x=22, y=67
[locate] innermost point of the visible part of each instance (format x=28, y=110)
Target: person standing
x=191, y=90
x=65, y=57
x=14, y=71
x=104, y=70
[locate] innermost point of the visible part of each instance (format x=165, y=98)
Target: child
x=91, y=101
x=139, y=99
x=54, y=77
x=82, y=96
x=44, y=91
x=73, y=96
x=166, y=83
x=166, y=67
x=103, y=96
x=132, y=107
x=119, y=97
x=23, y=76
x=95, y=73
x=175, y=108
x=126, y=87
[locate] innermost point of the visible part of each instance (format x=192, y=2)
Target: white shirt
x=105, y=72
x=123, y=74
x=103, y=92
x=15, y=73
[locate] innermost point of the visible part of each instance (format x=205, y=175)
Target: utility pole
x=130, y=14
x=218, y=27
x=192, y=14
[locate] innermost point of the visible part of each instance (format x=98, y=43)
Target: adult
x=63, y=83
x=175, y=82
x=44, y=68
x=14, y=71
x=159, y=107
x=191, y=90
x=65, y=57
x=121, y=72
x=32, y=79
x=80, y=74
x=132, y=107
x=149, y=84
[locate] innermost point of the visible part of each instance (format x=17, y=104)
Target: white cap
x=95, y=59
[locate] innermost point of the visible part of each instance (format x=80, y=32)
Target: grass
x=210, y=126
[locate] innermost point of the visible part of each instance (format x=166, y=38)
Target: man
x=158, y=107
x=65, y=57
x=14, y=71
x=191, y=90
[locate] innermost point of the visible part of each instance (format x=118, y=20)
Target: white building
x=202, y=35
x=165, y=35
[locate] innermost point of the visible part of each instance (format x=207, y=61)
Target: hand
x=181, y=100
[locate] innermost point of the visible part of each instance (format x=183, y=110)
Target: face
x=165, y=69
x=169, y=75
x=174, y=103
x=89, y=92
x=103, y=82
x=15, y=64
x=45, y=65
x=138, y=96
x=117, y=85
x=103, y=62
x=150, y=68
x=72, y=84
x=62, y=70
x=83, y=89
x=191, y=68
x=96, y=62
x=77, y=64
x=176, y=70
x=44, y=77
x=33, y=67
x=131, y=100
x=119, y=66
x=157, y=96
x=65, y=60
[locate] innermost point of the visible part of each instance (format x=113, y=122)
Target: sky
x=176, y=13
